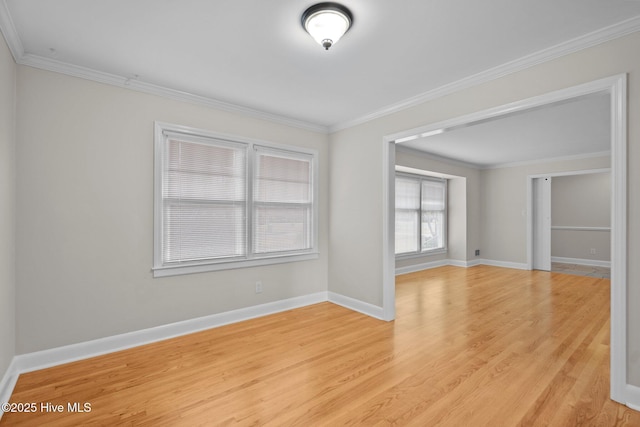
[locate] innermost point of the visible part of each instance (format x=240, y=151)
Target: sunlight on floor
x=581, y=270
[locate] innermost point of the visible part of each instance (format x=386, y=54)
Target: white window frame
x=161, y=133
x=435, y=251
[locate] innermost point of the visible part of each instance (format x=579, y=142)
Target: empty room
x=299, y=213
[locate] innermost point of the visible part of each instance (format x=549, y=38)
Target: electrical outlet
x=477, y=252
x=593, y=251
x=259, y=287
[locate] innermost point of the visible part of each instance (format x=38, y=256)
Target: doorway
x=541, y=223
x=615, y=88
x=545, y=233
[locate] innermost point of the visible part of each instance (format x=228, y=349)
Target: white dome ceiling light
x=327, y=22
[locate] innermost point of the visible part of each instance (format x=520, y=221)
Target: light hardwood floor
x=482, y=346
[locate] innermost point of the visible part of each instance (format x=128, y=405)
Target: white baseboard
x=581, y=261
x=458, y=263
x=71, y=353
x=357, y=305
x=422, y=266
x=633, y=397
x=465, y=264
x=7, y=384
x=60, y=355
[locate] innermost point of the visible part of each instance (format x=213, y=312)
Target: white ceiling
x=254, y=54
x=578, y=127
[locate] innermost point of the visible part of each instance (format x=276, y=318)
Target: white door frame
x=531, y=205
x=616, y=87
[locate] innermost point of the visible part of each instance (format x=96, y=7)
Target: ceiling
x=577, y=127
x=253, y=55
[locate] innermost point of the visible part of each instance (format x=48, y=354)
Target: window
x=420, y=214
x=225, y=202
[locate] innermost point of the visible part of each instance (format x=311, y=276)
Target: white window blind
x=420, y=214
x=282, y=215
x=433, y=214
x=204, y=200
x=225, y=203
x=407, y=214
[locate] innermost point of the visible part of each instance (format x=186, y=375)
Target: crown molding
x=603, y=35
x=152, y=89
x=549, y=160
x=595, y=38
x=8, y=30
x=461, y=163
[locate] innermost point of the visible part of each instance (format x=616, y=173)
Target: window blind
x=282, y=201
x=433, y=220
x=205, y=200
x=223, y=202
x=407, y=214
x=420, y=214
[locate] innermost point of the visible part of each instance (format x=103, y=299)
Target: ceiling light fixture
x=327, y=22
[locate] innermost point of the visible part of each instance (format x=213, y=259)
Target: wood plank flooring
x=482, y=346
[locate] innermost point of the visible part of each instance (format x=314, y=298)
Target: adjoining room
x=327, y=213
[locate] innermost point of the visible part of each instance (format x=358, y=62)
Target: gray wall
x=7, y=207
x=490, y=206
x=85, y=223
x=356, y=251
x=581, y=201
x=504, y=205
x=84, y=235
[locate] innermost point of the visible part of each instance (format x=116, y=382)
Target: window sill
x=421, y=254
x=176, y=270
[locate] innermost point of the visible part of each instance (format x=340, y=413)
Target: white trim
x=459, y=263
x=422, y=266
x=571, y=173
x=633, y=397
x=596, y=86
x=581, y=261
x=357, y=305
x=579, y=43
x=413, y=255
x=530, y=179
x=466, y=264
x=619, y=318
x=572, y=228
x=595, y=38
x=71, y=353
x=388, y=230
x=163, y=271
x=163, y=131
x=461, y=163
x=616, y=86
x=549, y=160
x=8, y=383
x=529, y=212
x=165, y=92
x=422, y=172
x=8, y=30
